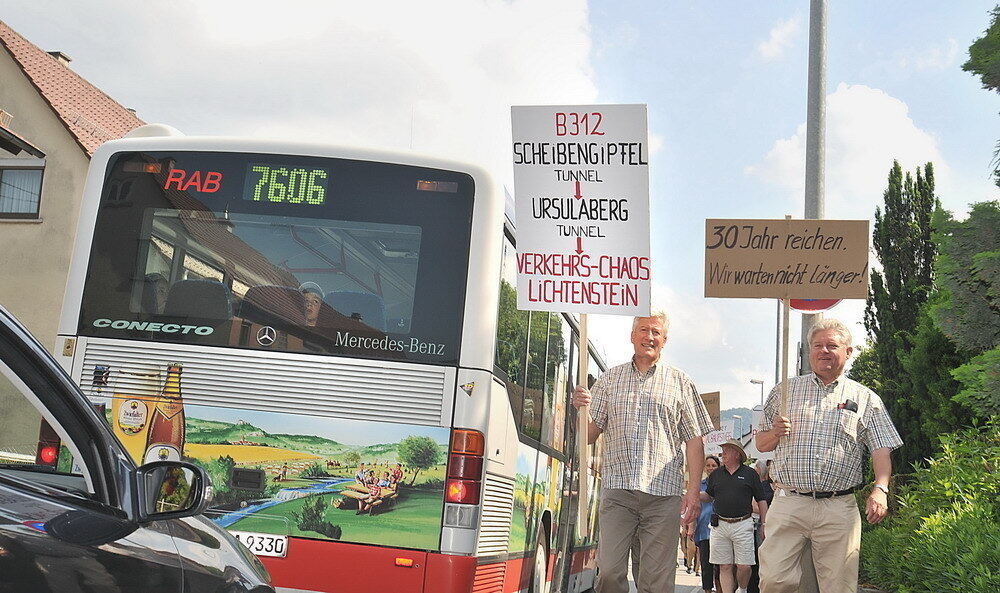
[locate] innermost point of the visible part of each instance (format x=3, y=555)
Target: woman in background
x=709, y=571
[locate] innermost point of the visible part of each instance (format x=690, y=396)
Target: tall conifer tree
x=903, y=245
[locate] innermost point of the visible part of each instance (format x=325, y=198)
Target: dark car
x=77, y=515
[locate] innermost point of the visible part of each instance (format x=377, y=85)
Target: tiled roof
x=91, y=116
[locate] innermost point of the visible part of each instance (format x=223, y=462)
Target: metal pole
x=814, y=198
x=815, y=207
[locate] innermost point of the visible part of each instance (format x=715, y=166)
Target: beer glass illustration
x=134, y=393
x=165, y=438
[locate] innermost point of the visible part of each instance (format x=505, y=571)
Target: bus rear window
x=304, y=254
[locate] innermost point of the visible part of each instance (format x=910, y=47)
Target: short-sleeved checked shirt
x=646, y=418
x=826, y=449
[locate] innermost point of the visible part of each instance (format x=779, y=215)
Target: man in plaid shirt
x=647, y=410
x=819, y=450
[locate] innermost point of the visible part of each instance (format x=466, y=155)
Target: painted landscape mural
x=286, y=474
x=320, y=479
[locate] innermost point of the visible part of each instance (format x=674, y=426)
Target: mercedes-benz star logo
x=266, y=335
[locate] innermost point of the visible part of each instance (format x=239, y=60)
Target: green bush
x=316, y=470
x=311, y=518
x=946, y=535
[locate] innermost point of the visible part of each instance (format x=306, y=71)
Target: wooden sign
x=802, y=259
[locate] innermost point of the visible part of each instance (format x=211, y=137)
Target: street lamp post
x=761, y=383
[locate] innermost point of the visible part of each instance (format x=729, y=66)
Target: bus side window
x=512, y=334
x=557, y=382
x=538, y=340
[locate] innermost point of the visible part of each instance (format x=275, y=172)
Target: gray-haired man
x=651, y=415
x=819, y=450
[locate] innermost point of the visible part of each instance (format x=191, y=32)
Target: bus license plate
x=263, y=544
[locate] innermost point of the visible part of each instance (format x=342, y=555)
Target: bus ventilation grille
x=498, y=509
x=276, y=382
x=489, y=578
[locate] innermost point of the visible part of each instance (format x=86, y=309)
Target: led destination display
x=284, y=184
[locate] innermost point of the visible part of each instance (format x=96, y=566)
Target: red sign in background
x=812, y=305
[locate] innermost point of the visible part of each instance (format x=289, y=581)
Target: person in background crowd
x=734, y=487
x=652, y=417
x=709, y=571
x=819, y=450
x=762, y=468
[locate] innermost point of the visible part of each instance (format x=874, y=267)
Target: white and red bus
x=333, y=335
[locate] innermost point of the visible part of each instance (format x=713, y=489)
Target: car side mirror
x=171, y=490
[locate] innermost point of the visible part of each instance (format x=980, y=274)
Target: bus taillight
x=465, y=467
x=467, y=442
x=462, y=491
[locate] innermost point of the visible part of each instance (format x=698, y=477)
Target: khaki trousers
x=626, y=515
x=831, y=525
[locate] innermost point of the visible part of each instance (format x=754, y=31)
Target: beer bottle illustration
x=165, y=440
x=134, y=392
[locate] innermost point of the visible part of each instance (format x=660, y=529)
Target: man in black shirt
x=734, y=487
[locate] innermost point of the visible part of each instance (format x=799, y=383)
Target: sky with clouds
x=725, y=85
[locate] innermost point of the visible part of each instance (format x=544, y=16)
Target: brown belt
x=735, y=519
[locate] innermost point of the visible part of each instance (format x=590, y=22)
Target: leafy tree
x=968, y=270
x=980, y=379
x=927, y=378
x=352, y=459
x=984, y=62
x=865, y=369
x=903, y=244
x=419, y=453
x=984, y=55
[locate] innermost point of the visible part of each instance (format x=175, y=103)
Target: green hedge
x=946, y=534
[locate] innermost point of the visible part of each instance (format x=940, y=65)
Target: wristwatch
x=881, y=487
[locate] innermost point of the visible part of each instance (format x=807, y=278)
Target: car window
x=32, y=443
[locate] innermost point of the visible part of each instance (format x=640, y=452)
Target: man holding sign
x=819, y=451
x=647, y=410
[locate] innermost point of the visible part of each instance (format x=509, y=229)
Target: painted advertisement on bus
x=305, y=476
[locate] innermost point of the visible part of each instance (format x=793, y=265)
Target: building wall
x=35, y=254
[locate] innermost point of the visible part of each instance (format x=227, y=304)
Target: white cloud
x=781, y=37
x=936, y=57
x=438, y=78
x=866, y=129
